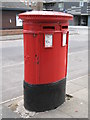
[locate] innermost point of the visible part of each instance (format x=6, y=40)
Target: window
x=81, y=3
x=61, y=6
x=18, y=21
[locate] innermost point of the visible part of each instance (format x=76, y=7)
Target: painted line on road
x=10, y=39
x=11, y=100
x=72, y=53
x=12, y=65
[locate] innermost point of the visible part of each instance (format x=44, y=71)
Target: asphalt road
x=12, y=62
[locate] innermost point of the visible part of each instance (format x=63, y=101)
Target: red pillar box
x=45, y=59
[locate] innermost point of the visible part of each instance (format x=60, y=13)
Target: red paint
x=44, y=65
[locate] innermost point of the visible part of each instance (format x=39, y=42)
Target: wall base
x=44, y=97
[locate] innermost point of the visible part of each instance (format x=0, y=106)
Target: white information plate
x=48, y=40
x=64, y=39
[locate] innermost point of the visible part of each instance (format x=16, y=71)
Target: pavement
x=76, y=106
x=11, y=37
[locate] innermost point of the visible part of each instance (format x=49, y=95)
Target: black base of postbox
x=44, y=97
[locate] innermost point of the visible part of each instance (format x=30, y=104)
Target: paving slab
x=52, y=114
x=8, y=113
x=71, y=87
x=75, y=108
x=83, y=81
x=17, y=106
x=82, y=94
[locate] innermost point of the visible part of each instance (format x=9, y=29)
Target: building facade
x=78, y=8
x=10, y=11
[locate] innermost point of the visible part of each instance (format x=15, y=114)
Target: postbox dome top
x=45, y=16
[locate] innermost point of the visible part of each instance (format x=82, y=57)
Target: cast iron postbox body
x=45, y=59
